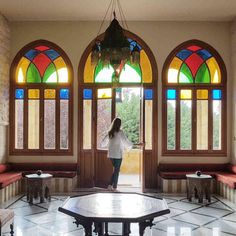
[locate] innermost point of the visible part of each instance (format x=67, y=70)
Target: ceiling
x=137, y=10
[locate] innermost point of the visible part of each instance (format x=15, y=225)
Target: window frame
x=41, y=86
x=177, y=86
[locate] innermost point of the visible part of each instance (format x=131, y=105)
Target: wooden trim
x=41, y=87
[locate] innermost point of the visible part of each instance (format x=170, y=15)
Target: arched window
x=41, y=100
x=194, y=101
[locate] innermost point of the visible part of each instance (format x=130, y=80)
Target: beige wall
x=4, y=86
x=162, y=37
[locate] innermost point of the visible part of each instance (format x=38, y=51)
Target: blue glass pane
x=88, y=94
x=183, y=54
x=171, y=94
x=133, y=44
x=204, y=54
x=52, y=54
x=148, y=95
x=64, y=94
x=31, y=54
x=216, y=94
x=19, y=93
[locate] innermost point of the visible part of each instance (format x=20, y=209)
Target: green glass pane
x=131, y=74
x=203, y=75
x=185, y=75
x=50, y=75
x=103, y=74
x=33, y=75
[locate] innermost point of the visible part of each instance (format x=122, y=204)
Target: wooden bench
x=173, y=177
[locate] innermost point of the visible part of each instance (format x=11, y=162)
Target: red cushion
x=232, y=168
x=4, y=168
x=181, y=174
x=56, y=174
x=227, y=178
x=8, y=178
x=44, y=166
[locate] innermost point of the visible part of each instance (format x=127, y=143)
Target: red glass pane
x=42, y=48
x=41, y=62
x=194, y=48
x=194, y=62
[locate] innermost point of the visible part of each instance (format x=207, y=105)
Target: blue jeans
x=116, y=169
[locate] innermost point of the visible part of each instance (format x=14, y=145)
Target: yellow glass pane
x=33, y=93
x=104, y=93
x=174, y=70
x=61, y=70
x=202, y=94
x=185, y=94
x=21, y=70
x=50, y=93
x=89, y=70
x=146, y=67
x=214, y=70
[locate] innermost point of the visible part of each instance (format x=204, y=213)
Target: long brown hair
x=115, y=127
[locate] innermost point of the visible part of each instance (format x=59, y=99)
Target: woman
x=117, y=142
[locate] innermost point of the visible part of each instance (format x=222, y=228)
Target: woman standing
x=117, y=142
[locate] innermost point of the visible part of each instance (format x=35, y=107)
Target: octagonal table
x=99, y=209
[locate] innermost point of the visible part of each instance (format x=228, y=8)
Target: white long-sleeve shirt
x=116, y=145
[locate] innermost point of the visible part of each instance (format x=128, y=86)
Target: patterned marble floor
x=186, y=219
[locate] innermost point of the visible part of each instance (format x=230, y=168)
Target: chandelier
x=114, y=49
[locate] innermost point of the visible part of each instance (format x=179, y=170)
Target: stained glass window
x=194, y=84
x=42, y=100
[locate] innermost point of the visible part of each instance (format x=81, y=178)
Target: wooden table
x=199, y=185
x=99, y=209
x=38, y=186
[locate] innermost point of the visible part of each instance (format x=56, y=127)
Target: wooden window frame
x=41, y=86
x=194, y=87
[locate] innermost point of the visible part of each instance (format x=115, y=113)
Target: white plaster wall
x=162, y=38
x=4, y=86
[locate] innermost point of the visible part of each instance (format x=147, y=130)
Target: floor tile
x=19, y=203
x=210, y=211
x=174, y=212
x=28, y=210
x=51, y=206
x=209, y=232
x=231, y=217
x=220, y=205
x=183, y=206
x=224, y=226
x=193, y=218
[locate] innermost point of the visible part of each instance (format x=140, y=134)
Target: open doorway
x=128, y=108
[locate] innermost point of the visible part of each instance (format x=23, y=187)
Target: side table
x=38, y=186
x=199, y=185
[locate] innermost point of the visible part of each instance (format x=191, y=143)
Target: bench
x=6, y=219
x=12, y=180
x=173, y=177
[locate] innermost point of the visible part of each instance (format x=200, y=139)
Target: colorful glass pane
x=148, y=94
x=33, y=93
x=103, y=75
x=185, y=94
x=52, y=54
x=104, y=93
x=21, y=70
x=130, y=74
x=204, y=54
x=62, y=70
x=194, y=62
x=64, y=93
x=19, y=93
x=216, y=94
x=41, y=61
x=202, y=94
x=174, y=70
x=171, y=94
x=50, y=75
x=203, y=75
x=31, y=54
x=33, y=75
x=194, y=48
x=133, y=44
x=214, y=70
x=183, y=54
x=42, y=48
x=146, y=67
x=89, y=71
x=50, y=93
x=185, y=75
x=87, y=94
